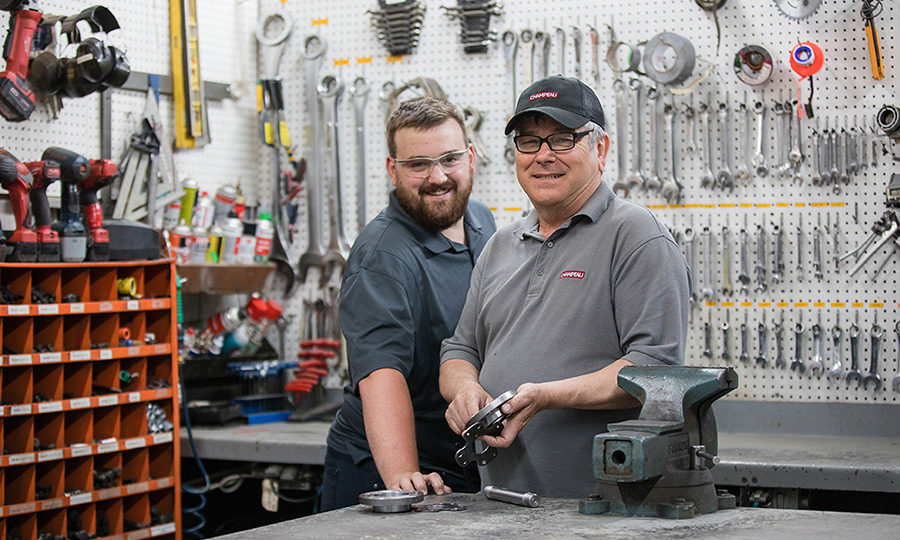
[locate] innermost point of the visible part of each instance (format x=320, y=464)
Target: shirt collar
x=592, y=210
x=434, y=241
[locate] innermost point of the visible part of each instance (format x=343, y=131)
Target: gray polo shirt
x=402, y=293
x=610, y=283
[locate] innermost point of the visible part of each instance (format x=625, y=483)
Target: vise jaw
x=658, y=465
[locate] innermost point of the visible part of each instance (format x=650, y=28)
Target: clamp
x=487, y=421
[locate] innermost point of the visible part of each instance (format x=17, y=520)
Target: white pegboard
x=844, y=88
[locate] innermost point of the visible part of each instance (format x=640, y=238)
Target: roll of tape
x=807, y=59
x=623, y=57
x=669, y=58
x=124, y=333
x=753, y=65
x=126, y=286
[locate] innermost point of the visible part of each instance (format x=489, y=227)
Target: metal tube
x=513, y=497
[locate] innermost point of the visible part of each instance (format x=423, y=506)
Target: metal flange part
x=487, y=421
x=753, y=65
x=389, y=501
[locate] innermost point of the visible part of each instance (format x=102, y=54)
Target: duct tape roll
x=127, y=286
x=623, y=57
x=669, y=58
x=124, y=333
x=753, y=65
x=807, y=59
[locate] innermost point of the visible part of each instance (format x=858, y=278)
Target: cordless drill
x=43, y=174
x=15, y=178
x=73, y=168
x=103, y=172
x=16, y=96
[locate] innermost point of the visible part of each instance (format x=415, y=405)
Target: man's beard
x=435, y=215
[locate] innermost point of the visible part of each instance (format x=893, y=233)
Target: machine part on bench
x=387, y=501
x=496, y=493
x=441, y=507
x=487, y=421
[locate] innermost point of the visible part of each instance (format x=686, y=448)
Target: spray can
x=170, y=216
x=187, y=200
x=246, y=245
x=199, y=245
x=179, y=243
x=265, y=231
x=226, y=321
x=224, y=203
x=203, y=212
x=231, y=231
x=215, y=243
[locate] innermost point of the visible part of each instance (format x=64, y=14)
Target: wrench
x=876, y=332
x=815, y=366
x=817, y=156
x=510, y=50
x=778, y=260
x=760, y=259
x=842, y=157
x=895, y=382
x=817, y=250
x=836, y=373
x=863, y=145
x=314, y=256
x=576, y=43
x=800, y=250
x=690, y=115
x=795, y=156
x=853, y=373
x=330, y=89
x=724, y=177
x=708, y=292
x=595, y=57
x=744, y=357
x=759, y=157
x=823, y=139
x=726, y=341
x=761, y=360
x=360, y=92
x=783, y=136
x=539, y=54
x=742, y=171
x=778, y=328
x=727, y=287
x=835, y=240
x=853, y=147
x=635, y=176
x=620, y=186
x=654, y=181
x=707, y=339
x=526, y=38
x=560, y=50
x=671, y=188
x=707, y=179
x=744, y=276
x=797, y=365
x=834, y=165
x=689, y=256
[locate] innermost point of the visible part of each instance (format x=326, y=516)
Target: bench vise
x=658, y=465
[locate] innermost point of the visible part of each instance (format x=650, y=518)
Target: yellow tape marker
x=876, y=304
x=513, y=209
x=765, y=304
x=710, y=304
x=818, y=304
x=745, y=205
x=397, y=58
x=726, y=205
x=819, y=204
x=801, y=304
x=764, y=205
x=783, y=304
x=320, y=22
x=857, y=304
x=838, y=204
x=657, y=206
x=727, y=304
x=783, y=205
x=800, y=204
x=838, y=304
x=746, y=304
x=364, y=60
x=342, y=62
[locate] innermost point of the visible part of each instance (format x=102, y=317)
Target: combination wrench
x=707, y=338
x=560, y=50
x=778, y=330
x=576, y=44
x=815, y=366
x=778, y=258
x=795, y=156
x=330, y=89
x=799, y=268
x=797, y=365
x=817, y=261
x=671, y=188
x=759, y=156
x=510, y=49
x=654, y=182
x=620, y=186
x=689, y=256
x=691, y=117
x=727, y=287
x=539, y=55
x=853, y=372
x=595, y=55
x=742, y=171
x=635, y=176
x=836, y=373
x=745, y=356
x=708, y=292
x=724, y=177
x=726, y=338
x=526, y=39
x=360, y=92
x=816, y=157
x=761, y=285
x=895, y=382
x=782, y=136
x=761, y=360
x=707, y=179
x=876, y=332
x=744, y=277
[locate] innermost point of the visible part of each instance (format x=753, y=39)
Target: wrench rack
x=843, y=89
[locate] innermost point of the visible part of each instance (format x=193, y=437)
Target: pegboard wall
x=846, y=95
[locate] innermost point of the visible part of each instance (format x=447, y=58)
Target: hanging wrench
x=835, y=164
x=742, y=171
x=853, y=373
x=797, y=365
x=745, y=356
x=689, y=256
x=835, y=240
x=635, y=176
x=836, y=373
x=817, y=250
x=815, y=366
x=727, y=287
x=816, y=179
x=783, y=136
x=708, y=292
x=620, y=186
x=759, y=157
x=823, y=140
x=853, y=147
x=654, y=182
x=761, y=360
x=330, y=89
x=726, y=341
x=707, y=339
x=744, y=276
x=778, y=260
x=778, y=329
x=895, y=382
x=510, y=50
x=876, y=332
x=800, y=250
x=795, y=156
x=691, y=117
x=761, y=285
x=595, y=57
x=842, y=157
x=707, y=179
x=576, y=43
x=848, y=153
x=526, y=39
x=539, y=54
x=560, y=50
x=671, y=188
x=724, y=177
x=360, y=92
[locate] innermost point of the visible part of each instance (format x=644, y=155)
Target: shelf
x=223, y=278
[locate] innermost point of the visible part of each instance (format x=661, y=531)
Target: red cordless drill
x=43, y=174
x=16, y=96
x=15, y=178
x=73, y=168
x=103, y=172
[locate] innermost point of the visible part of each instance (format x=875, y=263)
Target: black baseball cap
x=564, y=99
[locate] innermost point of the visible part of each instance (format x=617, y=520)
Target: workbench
x=559, y=519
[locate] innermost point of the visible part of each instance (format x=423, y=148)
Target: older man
x=560, y=301
x=402, y=293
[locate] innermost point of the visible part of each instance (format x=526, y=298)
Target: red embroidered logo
x=574, y=274
x=541, y=95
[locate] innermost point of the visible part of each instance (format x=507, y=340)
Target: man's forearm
x=457, y=376
x=597, y=390
x=390, y=424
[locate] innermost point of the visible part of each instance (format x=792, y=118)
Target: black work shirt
x=403, y=290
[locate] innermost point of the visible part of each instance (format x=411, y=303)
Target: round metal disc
x=490, y=413
x=798, y=9
x=388, y=501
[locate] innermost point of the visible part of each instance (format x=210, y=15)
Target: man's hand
x=416, y=481
x=465, y=405
x=529, y=400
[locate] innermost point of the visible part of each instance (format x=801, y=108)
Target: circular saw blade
x=798, y=9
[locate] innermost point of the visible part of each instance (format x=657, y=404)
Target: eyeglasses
x=558, y=142
x=421, y=167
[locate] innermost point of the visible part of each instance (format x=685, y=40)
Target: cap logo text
x=573, y=274
x=542, y=95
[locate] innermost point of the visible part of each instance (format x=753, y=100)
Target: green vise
x=658, y=465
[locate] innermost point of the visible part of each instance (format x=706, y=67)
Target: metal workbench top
x=747, y=459
x=559, y=519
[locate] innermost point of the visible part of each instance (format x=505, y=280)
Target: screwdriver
x=869, y=11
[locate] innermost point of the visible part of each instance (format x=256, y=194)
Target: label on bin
x=48, y=309
x=81, y=451
x=106, y=401
x=137, y=488
x=105, y=354
x=158, y=303
x=138, y=535
x=131, y=444
x=162, y=438
x=108, y=447
x=134, y=397
x=50, y=357
x=20, y=459
x=165, y=528
x=80, y=403
x=134, y=351
x=163, y=483
x=76, y=308
x=132, y=305
x=21, y=508
x=51, y=504
x=81, y=498
x=50, y=455
x=18, y=310
x=110, y=493
x=19, y=359
x=105, y=306
x=50, y=406
x=78, y=356
x=19, y=409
